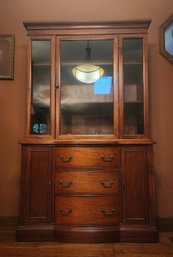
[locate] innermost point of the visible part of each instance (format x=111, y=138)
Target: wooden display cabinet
x=87, y=174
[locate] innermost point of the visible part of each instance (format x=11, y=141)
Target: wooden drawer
x=80, y=210
x=86, y=182
x=87, y=156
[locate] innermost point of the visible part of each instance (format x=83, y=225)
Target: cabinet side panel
x=38, y=185
x=135, y=185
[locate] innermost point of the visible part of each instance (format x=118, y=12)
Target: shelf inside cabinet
x=131, y=62
x=91, y=108
x=41, y=64
x=95, y=62
x=128, y=103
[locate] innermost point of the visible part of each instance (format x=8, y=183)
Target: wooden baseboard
x=165, y=224
x=8, y=221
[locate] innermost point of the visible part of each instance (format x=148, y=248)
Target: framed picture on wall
x=6, y=56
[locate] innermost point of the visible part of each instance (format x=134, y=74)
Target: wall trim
x=8, y=221
x=165, y=224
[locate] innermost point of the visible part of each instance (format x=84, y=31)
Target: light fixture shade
x=88, y=73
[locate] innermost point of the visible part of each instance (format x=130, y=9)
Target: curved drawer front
x=86, y=182
x=78, y=210
x=88, y=157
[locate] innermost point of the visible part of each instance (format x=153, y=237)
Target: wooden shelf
x=89, y=108
x=41, y=64
x=133, y=63
x=134, y=103
x=76, y=63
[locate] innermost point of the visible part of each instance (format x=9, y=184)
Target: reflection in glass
x=169, y=39
x=40, y=94
x=86, y=109
x=133, y=86
x=88, y=72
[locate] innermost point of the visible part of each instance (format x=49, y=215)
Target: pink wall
x=12, y=93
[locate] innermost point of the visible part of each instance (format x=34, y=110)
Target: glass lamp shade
x=88, y=73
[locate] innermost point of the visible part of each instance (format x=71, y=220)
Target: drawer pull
x=106, y=185
x=66, y=159
x=108, y=158
x=65, y=184
x=107, y=213
x=65, y=213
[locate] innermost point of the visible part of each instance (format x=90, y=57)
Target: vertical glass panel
x=40, y=88
x=133, y=86
x=86, y=108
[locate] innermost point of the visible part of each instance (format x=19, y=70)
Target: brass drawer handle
x=106, y=185
x=108, y=158
x=111, y=213
x=66, y=159
x=65, y=184
x=65, y=213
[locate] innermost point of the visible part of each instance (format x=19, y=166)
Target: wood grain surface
x=10, y=248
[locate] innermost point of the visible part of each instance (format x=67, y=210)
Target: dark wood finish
x=36, y=189
x=86, y=182
x=87, y=193
x=137, y=233
x=85, y=234
x=89, y=28
x=87, y=210
x=36, y=232
x=145, y=86
x=87, y=188
x=88, y=157
x=52, y=90
x=135, y=187
x=116, y=88
x=11, y=248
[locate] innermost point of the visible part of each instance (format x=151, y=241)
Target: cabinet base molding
x=31, y=233
x=87, y=234
x=139, y=234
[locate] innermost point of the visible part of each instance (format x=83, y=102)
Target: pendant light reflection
x=88, y=72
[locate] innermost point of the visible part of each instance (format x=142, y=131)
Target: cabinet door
x=88, y=97
x=135, y=185
x=134, y=88
x=40, y=89
x=37, y=184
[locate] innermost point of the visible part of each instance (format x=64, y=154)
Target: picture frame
x=6, y=56
x=166, y=39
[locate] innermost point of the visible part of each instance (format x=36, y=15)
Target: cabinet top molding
x=52, y=27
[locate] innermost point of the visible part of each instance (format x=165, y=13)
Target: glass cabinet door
x=86, y=107
x=40, y=87
x=133, y=86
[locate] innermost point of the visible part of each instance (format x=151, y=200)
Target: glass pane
x=133, y=86
x=40, y=91
x=86, y=107
x=169, y=39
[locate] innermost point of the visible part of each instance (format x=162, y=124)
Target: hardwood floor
x=10, y=248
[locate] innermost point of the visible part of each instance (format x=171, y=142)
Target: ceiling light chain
x=88, y=72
